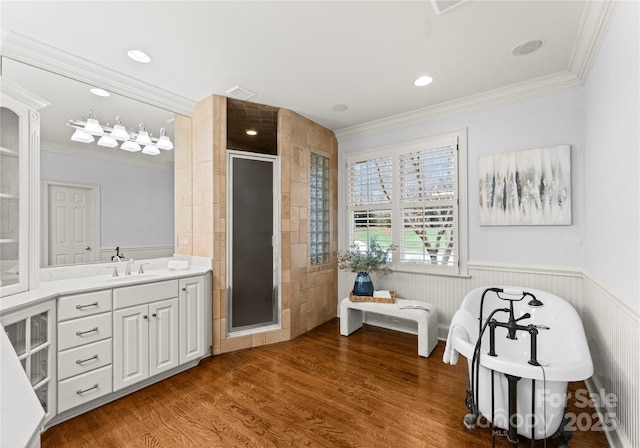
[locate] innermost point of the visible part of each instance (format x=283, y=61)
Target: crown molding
x=22, y=94
x=492, y=98
x=592, y=30
x=591, y=33
x=29, y=51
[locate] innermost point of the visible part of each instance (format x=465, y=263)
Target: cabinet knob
x=145, y=317
x=184, y=289
x=154, y=315
x=87, y=247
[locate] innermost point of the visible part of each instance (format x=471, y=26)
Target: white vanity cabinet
x=192, y=319
x=146, y=335
x=32, y=334
x=84, y=348
x=81, y=350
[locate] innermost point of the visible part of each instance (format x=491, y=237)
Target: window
x=319, y=210
x=410, y=195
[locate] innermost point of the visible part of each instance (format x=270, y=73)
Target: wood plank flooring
x=319, y=390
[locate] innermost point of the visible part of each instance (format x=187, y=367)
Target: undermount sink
x=132, y=277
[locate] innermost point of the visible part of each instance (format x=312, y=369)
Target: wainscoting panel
x=446, y=293
x=612, y=326
x=137, y=253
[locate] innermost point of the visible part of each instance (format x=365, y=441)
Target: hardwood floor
x=319, y=390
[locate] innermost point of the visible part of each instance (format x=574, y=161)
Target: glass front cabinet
x=19, y=188
x=31, y=332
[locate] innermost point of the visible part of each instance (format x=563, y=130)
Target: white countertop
x=54, y=288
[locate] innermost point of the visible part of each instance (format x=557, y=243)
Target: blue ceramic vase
x=363, y=285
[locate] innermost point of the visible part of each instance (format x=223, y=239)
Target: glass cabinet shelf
x=31, y=334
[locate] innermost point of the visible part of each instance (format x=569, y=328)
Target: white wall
x=547, y=121
x=611, y=303
x=136, y=201
x=611, y=142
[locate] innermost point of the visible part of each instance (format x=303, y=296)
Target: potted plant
x=372, y=259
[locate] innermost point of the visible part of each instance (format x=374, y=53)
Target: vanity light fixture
x=132, y=141
x=422, y=81
x=143, y=138
x=164, y=142
x=108, y=141
x=130, y=146
x=119, y=132
x=151, y=149
x=80, y=136
x=251, y=132
x=139, y=56
x=92, y=126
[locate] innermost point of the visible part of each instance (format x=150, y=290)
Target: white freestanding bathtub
x=562, y=354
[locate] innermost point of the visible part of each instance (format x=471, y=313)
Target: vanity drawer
x=141, y=294
x=84, y=388
x=81, y=305
x=84, y=358
x=73, y=333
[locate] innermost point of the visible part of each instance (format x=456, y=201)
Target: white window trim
x=394, y=149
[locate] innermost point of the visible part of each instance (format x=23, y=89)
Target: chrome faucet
x=127, y=269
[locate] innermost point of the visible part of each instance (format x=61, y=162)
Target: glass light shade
x=164, y=143
x=143, y=138
x=120, y=133
x=80, y=136
x=130, y=146
x=93, y=127
x=108, y=141
x=151, y=150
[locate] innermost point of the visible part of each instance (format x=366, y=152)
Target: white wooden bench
x=351, y=316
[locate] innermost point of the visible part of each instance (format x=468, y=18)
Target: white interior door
x=72, y=224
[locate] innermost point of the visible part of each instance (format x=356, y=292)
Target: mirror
x=95, y=198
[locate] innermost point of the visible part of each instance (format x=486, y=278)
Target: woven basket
x=373, y=299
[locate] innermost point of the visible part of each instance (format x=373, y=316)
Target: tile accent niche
x=309, y=293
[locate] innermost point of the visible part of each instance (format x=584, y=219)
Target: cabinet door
x=163, y=336
x=130, y=346
x=32, y=333
x=192, y=319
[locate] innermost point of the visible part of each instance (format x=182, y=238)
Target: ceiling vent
x=240, y=93
x=441, y=6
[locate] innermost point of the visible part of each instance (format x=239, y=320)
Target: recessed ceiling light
x=251, y=132
x=139, y=56
x=99, y=92
x=339, y=107
x=422, y=81
x=527, y=47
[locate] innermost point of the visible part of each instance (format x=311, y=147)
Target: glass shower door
x=253, y=287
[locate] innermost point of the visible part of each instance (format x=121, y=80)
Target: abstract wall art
x=531, y=187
